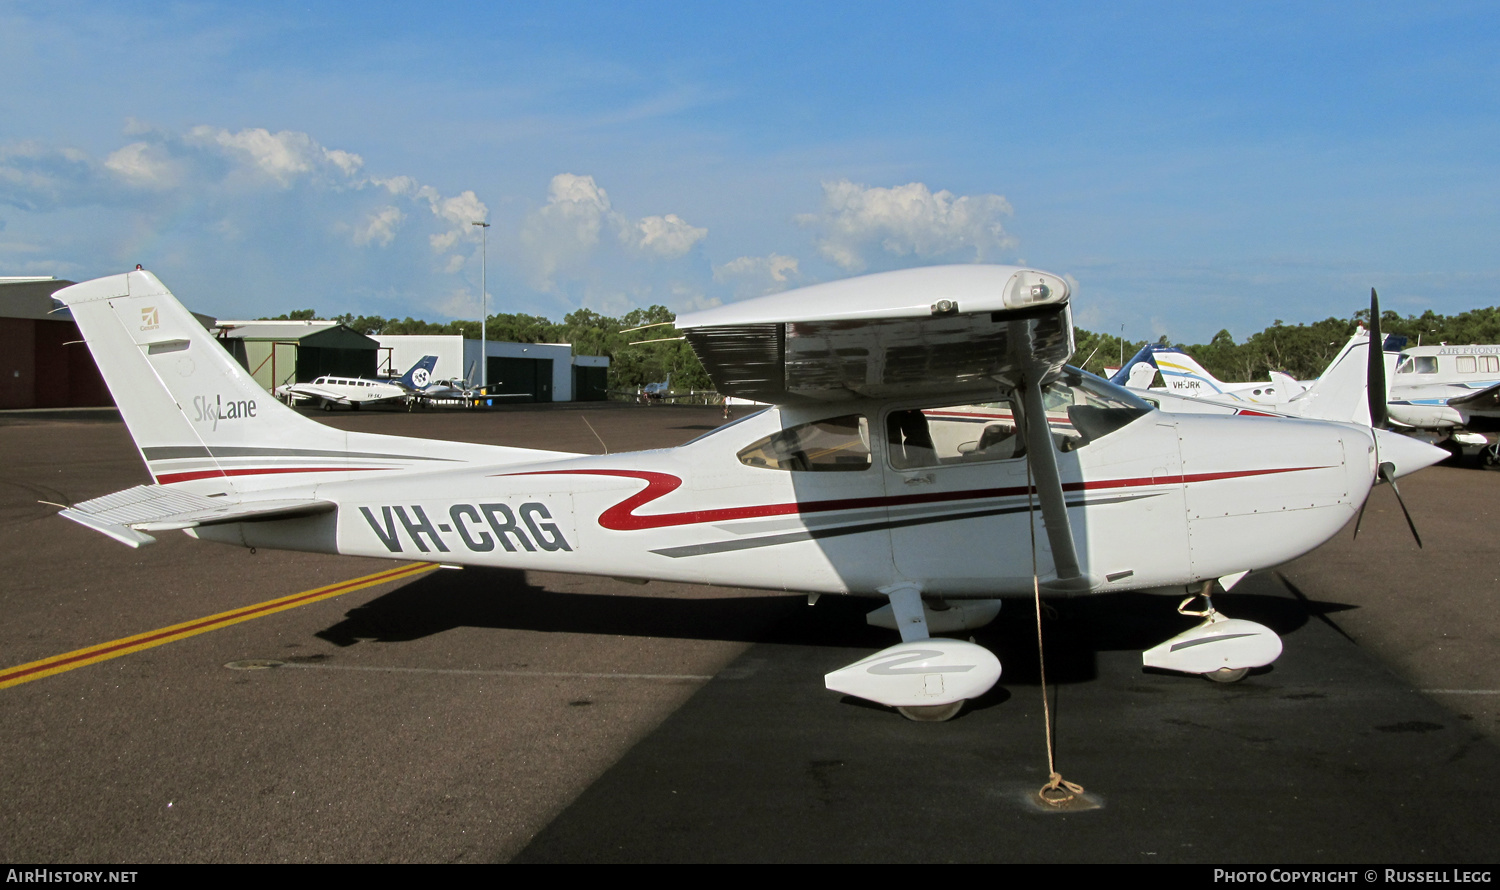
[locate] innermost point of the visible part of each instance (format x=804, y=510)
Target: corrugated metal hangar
x=279, y=352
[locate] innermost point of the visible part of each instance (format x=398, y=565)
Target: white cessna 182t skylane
x=857, y=480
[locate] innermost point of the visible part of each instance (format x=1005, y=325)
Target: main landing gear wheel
x=932, y=713
x=1227, y=675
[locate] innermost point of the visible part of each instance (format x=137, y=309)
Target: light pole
x=484, y=307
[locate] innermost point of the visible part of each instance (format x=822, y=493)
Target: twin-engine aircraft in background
x=872, y=474
x=352, y=392
x=1450, y=395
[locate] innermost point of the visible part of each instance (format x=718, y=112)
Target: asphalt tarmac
x=493, y=716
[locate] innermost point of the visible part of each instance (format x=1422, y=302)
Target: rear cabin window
x=838, y=444
x=1466, y=364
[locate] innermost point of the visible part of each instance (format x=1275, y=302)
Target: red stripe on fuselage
x=622, y=516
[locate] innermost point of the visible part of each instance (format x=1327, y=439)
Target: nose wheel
x=931, y=713
x=1228, y=675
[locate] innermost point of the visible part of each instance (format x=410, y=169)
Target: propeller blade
x=1375, y=389
x=1361, y=517
x=1388, y=474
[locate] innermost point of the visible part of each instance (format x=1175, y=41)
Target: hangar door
x=524, y=379
x=590, y=384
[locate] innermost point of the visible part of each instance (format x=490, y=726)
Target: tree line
x=1301, y=350
x=633, y=362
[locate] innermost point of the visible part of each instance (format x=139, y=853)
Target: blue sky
x=1190, y=168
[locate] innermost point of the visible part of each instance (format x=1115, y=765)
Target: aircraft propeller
x=1375, y=392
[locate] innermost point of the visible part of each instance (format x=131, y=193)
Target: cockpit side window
x=1080, y=409
x=837, y=444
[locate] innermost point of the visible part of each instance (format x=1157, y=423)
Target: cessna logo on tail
x=150, y=321
x=477, y=528
x=206, y=410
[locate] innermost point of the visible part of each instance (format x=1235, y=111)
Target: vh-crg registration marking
x=477, y=528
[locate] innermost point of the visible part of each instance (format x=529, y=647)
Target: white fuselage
x=1164, y=501
x=343, y=390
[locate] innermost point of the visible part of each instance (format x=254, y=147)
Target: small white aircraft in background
x=1182, y=375
x=356, y=391
x=868, y=476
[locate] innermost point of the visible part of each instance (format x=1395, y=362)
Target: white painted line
x=1461, y=691
x=480, y=673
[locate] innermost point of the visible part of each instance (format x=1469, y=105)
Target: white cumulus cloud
x=906, y=220
x=562, y=236
x=283, y=157
x=755, y=276
x=666, y=236
x=380, y=227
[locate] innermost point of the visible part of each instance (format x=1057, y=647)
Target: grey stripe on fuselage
x=817, y=533
x=178, y=452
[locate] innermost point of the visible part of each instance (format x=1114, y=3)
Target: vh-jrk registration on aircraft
x=866, y=477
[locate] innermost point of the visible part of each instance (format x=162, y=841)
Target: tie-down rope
x=1058, y=791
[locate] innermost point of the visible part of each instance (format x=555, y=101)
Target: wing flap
x=126, y=515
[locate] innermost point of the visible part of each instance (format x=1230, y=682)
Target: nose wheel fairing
x=1220, y=648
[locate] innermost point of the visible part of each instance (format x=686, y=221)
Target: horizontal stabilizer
x=124, y=515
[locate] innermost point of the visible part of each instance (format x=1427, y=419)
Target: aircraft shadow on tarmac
x=1075, y=630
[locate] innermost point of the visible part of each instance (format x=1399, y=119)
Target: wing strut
x=1043, y=456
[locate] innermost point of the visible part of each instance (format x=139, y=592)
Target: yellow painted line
x=104, y=651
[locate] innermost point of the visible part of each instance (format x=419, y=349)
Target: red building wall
x=44, y=364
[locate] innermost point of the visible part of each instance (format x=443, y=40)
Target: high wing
x=927, y=331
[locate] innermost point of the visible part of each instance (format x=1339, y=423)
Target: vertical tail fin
x=1184, y=376
x=1340, y=393
x=193, y=411
x=420, y=374
x=1131, y=373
